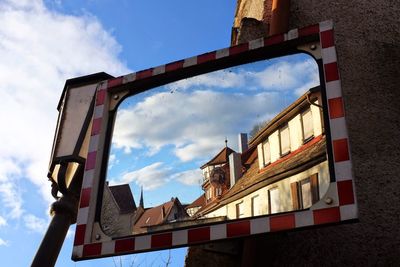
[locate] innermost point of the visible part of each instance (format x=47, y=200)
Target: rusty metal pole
x=64, y=212
x=279, y=17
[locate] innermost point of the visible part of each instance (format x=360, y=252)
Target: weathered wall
x=368, y=46
x=113, y=223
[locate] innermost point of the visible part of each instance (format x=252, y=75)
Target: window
x=239, y=210
x=274, y=201
x=218, y=191
x=266, y=153
x=205, y=174
x=284, y=140
x=255, y=206
x=307, y=125
x=208, y=194
x=305, y=193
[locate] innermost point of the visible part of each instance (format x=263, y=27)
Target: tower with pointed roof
x=141, y=204
x=216, y=174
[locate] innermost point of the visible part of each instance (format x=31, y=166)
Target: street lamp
x=70, y=146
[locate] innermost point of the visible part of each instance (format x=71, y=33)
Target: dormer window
x=284, y=140
x=307, y=125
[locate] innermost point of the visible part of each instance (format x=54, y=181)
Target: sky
x=45, y=42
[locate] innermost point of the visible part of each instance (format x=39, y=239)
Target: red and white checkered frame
x=91, y=242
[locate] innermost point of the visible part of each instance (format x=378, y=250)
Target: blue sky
x=45, y=42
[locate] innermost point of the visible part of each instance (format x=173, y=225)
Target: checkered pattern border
x=342, y=208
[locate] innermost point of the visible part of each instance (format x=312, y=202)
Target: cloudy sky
x=45, y=42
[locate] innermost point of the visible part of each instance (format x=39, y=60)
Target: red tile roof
x=199, y=202
x=221, y=157
x=155, y=215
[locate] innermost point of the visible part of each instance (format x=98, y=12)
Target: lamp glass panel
x=74, y=112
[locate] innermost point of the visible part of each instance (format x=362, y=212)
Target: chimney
x=243, y=146
x=235, y=167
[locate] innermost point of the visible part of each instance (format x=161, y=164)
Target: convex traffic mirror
x=245, y=140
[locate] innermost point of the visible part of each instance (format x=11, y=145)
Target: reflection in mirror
x=239, y=142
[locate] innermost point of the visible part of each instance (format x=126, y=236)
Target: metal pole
x=64, y=214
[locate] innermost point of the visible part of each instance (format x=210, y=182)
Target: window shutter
x=307, y=120
x=267, y=153
x=295, y=195
x=314, y=188
x=285, y=140
x=260, y=156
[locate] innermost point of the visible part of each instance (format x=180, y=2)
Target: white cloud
x=3, y=221
x=158, y=174
x=190, y=177
x=39, y=50
x=195, y=123
x=35, y=223
x=221, y=79
x=150, y=177
x=12, y=200
x=3, y=242
x=283, y=74
x=286, y=75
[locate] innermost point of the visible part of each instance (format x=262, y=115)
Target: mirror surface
x=234, y=143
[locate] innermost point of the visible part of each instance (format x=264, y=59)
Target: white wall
x=295, y=133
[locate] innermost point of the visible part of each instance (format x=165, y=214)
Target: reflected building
x=283, y=167
x=121, y=217
x=118, y=210
x=152, y=219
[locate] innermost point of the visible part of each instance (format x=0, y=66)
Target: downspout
x=280, y=17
